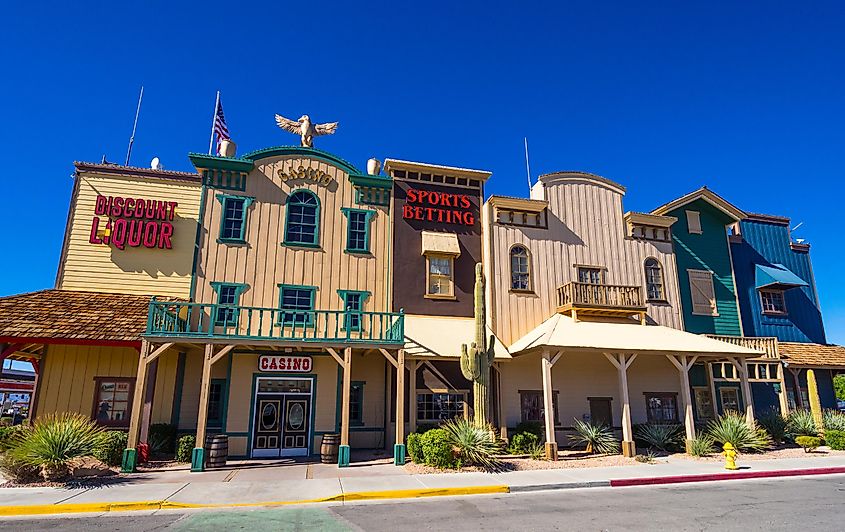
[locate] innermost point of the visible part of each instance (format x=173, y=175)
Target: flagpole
x=213, y=118
x=134, y=126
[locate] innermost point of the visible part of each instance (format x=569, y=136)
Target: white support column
x=548, y=406
x=784, y=403
x=683, y=364
x=747, y=397
x=622, y=362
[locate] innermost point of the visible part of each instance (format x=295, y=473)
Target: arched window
x=302, y=225
x=653, y=280
x=520, y=271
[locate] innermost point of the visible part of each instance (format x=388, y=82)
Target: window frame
x=556, y=413
x=696, y=392
x=224, y=199
x=734, y=389
x=239, y=288
x=661, y=285
x=662, y=395
x=428, y=275
x=694, y=215
x=123, y=423
x=715, y=303
x=348, y=212
x=529, y=288
x=779, y=293
x=217, y=422
x=287, y=239
x=309, y=314
x=600, y=270
x=344, y=295
x=424, y=420
x=356, y=420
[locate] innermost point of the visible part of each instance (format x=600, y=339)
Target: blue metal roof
x=777, y=276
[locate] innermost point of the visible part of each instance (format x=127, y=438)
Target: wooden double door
x=281, y=425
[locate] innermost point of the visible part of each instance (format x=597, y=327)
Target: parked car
x=840, y=404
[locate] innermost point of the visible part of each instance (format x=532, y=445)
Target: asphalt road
x=811, y=503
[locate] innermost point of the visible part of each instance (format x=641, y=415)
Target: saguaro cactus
x=815, y=402
x=477, y=358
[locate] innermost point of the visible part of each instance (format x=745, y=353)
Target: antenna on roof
x=796, y=227
x=527, y=166
x=134, y=126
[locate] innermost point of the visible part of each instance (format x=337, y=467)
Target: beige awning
x=444, y=243
x=562, y=333
x=442, y=336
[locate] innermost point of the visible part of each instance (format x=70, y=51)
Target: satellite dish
x=155, y=164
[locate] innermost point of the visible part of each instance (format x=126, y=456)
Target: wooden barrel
x=217, y=447
x=329, y=448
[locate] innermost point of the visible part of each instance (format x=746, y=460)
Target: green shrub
x=437, y=449
x=185, y=448
x=537, y=452
x=809, y=443
x=7, y=435
x=523, y=443
x=162, y=438
x=834, y=420
x=534, y=427
x=774, y=424
x=598, y=438
x=109, y=449
x=53, y=440
x=661, y=437
x=800, y=423
x=702, y=445
x=474, y=444
x=414, y=448
x=835, y=439
x=732, y=428
x=6, y=421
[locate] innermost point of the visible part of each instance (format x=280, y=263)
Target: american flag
x=220, y=127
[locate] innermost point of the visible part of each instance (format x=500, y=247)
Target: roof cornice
x=707, y=195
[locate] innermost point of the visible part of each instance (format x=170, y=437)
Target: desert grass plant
x=834, y=420
x=800, y=423
x=732, y=428
x=597, y=438
x=53, y=440
x=774, y=424
x=473, y=443
x=702, y=445
x=537, y=452
x=661, y=437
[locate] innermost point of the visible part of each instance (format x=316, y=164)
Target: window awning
x=445, y=243
x=441, y=337
x=777, y=276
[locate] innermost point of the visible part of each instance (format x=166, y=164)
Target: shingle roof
x=66, y=314
x=801, y=354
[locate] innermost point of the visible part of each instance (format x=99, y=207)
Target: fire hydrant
x=730, y=456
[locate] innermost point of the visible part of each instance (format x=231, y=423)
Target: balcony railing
x=604, y=296
x=207, y=320
x=766, y=344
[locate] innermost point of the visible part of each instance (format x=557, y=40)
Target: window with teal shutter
x=228, y=296
x=297, y=304
x=353, y=305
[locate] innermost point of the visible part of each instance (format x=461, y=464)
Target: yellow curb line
x=99, y=507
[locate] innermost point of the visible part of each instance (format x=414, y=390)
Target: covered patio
x=620, y=344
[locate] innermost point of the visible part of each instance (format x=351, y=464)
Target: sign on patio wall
x=284, y=363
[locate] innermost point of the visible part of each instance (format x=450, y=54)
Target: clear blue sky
x=746, y=97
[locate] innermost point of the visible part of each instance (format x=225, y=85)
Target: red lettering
x=429, y=211
x=173, y=205
x=140, y=204
x=297, y=364
x=135, y=229
x=407, y=211
x=262, y=365
x=161, y=210
x=95, y=223
x=464, y=202
x=129, y=207
x=422, y=194
x=469, y=218
x=164, y=236
x=118, y=234
x=117, y=207
x=411, y=196
x=435, y=198
x=418, y=213
x=150, y=234
x=100, y=206
x=273, y=365
x=306, y=364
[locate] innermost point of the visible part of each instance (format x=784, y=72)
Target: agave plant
x=834, y=420
x=661, y=437
x=775, y=424
x=732, y=428
x=598, y=438
x=53, y=440
x=473, y=443
x=801, y=423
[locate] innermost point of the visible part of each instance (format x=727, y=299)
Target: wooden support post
x=344, y=450
x=712, y=384
x=684, y=364
x=622, y=362
x=412, y=395
x=399, y=446
x=784, y=404
x=799, y=398
x=149, y=393
x=198, y=454
x=747, y=397
x=548, y=406
x=130, y=454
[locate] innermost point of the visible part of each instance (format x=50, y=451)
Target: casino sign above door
x=295, y=364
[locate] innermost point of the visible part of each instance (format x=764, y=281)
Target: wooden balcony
x=576, y=298
x=766, y=344
x=245, y=324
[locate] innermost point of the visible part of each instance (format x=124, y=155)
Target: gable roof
x=76, y=316
x=812, y=355
x=707, y=195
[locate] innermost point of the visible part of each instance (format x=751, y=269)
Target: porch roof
x=812, y=355
x=562, y=332
x=442, y=336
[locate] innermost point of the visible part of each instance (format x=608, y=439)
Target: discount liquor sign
x=441, y=207
x=133, y=222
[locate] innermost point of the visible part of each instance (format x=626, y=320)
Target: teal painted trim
x=219, y=423
x=302, y=151
x=343, y=456
x=176, y=411
x=287, y=241
x=344, y=296
x=371, y=181
x=368, y=215
x=338, y=399
x=127, y=464
x=212, y=162
x=200, y=225
x=239, y=289
x=310, y=317
x=399, y=454
x=224, y=199
x=197, y=460
x=358, y=420
x=373, y=196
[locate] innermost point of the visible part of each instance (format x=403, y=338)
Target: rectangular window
x=661, y=407
x=702, y=293
x=440, y=276
x=694, y=222
x=228, y=295
x=113, y=400
x=358, y=230
x=440, y=406
x=233, y=218
x=216, y=395
x=703, y=402
x=296, y=303
x=353, y=305
x=773, y=302
x=356, y=403
x=729, y=397
x=590, y=275
x=533, y=407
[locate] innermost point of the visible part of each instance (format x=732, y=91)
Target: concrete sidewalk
x=267, y=485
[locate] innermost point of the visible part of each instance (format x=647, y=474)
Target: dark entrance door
x=600, y=411
x=282, y=419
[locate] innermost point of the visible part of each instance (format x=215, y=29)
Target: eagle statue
x=306, y=129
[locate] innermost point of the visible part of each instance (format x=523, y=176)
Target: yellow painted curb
x=100, y=507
